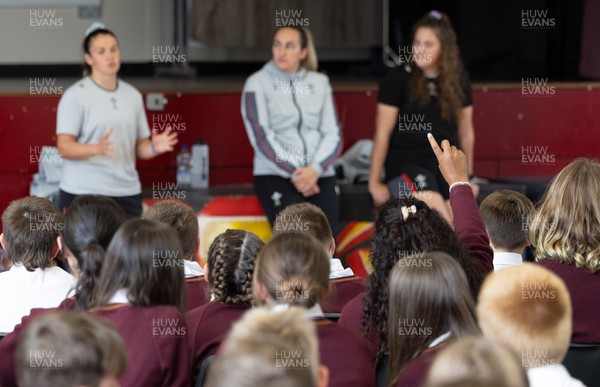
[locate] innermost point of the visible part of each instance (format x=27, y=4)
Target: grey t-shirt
x=87, y=111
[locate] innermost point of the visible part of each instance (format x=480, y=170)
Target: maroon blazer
x=469, y=226
x=8, y=347
x=209, y=325
x=346, y=354
x=196, y=292
x=67, y=304
x=415, y=372
x=582, y=286
x=342, y=290
x=156, y=342
x=351, y=319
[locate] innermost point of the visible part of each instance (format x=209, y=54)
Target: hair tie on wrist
x=435, y=14
x=408, y=210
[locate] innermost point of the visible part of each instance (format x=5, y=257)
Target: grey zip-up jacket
x=291, y=121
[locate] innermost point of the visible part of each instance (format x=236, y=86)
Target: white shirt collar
x=336, y=269
x=120, y=297
x=504, y=259
x=551, y=375
x=439, y=339
x=192, y=269
x=313, y=312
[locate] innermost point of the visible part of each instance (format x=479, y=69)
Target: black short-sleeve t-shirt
x=408, y=142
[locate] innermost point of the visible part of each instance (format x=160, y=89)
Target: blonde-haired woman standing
x=291, y=122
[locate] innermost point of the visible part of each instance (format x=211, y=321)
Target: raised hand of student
x=305, y=180
x=165, y=141
x=452, y=161
x=105, y=145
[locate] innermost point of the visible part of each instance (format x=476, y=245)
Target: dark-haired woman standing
x=431, y=93
x=101, y=127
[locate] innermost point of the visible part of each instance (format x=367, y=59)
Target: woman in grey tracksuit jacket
x=290, y=118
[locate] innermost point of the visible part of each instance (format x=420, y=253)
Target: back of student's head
x=144, y=258
x=90, y=223
x=528, y=309
x=69, y=349
x=566, y=225
x=294, y=270
x=230, y=264
x=182, y=218
x=30, y=227
x=506, y=216
x=428, y=296
x=265, y=348
x=405, y=228
x=475, y=362
x=304, y=218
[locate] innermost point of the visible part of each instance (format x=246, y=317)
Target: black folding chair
x=203, y=371
x=582, y=361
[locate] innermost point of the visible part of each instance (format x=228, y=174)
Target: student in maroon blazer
x=293, y=269
x=229, y=268
x=569, y=217
x=430, y=304
x=182, y=218
x=141, y=292
x=308, y=218
x=424, y=230
x=89, y=225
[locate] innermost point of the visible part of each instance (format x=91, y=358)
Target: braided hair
x=230, y=262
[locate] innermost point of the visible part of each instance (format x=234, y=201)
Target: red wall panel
x=563, y=124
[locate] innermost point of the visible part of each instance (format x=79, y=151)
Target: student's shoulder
x=166, y=311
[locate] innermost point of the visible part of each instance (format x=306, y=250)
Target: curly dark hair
x=450, y=91
x=394, y=238
x=230, y=262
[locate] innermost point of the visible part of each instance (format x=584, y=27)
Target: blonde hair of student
x=260, y=345
x=69, y=349
x=475, y=361
x=528, y=309
x=566, y=227
x=293, y=269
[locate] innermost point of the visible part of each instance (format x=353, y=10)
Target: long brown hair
x=90, y=223
x=566, y=226
x=450, y=92
x=294, y=268
x=144, y=258
x=428, y=296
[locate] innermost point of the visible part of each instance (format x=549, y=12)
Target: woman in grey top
x=290, y=118
x=101, y=127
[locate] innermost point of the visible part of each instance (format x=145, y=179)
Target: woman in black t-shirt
x=430, y=93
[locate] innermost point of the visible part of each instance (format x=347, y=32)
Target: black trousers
x=275, y=193
x=132, y=205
